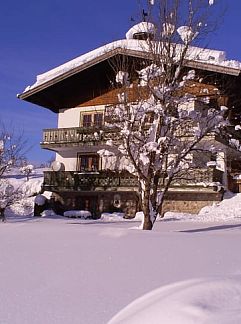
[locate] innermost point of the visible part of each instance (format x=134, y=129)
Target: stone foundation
x=190, y=202
x=127, y=202
x=96, y=202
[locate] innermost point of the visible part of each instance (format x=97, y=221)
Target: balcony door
x=88, y=162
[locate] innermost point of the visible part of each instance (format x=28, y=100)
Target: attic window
x=143, y=36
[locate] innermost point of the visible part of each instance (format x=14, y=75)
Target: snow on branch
x=187, y=34
x=12, y=148
x=169, y=120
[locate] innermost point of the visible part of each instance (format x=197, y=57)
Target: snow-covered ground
x=206, y=300
x=60, y=270
x=57, y=270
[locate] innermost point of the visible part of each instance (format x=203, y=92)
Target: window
x=87, y=120
x=87, y=162
x=84, y=163
x=98, y=119
x=92, y=119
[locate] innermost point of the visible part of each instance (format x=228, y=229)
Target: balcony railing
x=78, y=181
x=90, y=135
x=57, y=137
x=103, y=180
x=199, y=177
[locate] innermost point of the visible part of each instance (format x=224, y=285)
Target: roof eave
x=124, y=51
x=69, y=73
x=213, y=68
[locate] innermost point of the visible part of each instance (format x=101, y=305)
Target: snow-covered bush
x=8, y=195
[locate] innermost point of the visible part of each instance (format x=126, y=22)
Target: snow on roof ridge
x=142, y=27
x=198, y=54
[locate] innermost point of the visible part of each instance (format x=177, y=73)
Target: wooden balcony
x=56, y=138
x=87, y=181
x=199, y=177
x=110, y=180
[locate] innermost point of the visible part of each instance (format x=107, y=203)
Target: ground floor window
x=87, y=162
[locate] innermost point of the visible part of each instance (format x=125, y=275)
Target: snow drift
x=206, y=301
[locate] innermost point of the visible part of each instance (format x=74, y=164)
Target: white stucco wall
x=69, y=160
x=70, y=117
x=221, y=161
x=69, y=157
x=67, y=118
x=222, y=165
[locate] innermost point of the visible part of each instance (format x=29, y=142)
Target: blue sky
x=36, y=36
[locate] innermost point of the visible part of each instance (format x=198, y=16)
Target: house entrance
x=87, y=203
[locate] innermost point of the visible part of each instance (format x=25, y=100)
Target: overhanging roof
x=79, y=84
x=90, y=75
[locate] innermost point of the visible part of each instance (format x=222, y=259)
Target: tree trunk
x=147, y=224
x=2, y=214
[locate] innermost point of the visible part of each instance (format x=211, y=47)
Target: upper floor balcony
x=56, y=138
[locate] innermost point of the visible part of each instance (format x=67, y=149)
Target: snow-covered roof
x=215, y=61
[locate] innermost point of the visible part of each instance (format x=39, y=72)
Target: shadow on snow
x=212, y=228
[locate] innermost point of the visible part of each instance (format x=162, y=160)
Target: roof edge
x=131, y=52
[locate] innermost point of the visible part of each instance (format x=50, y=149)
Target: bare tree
x=166, y=113
x=13, y=148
